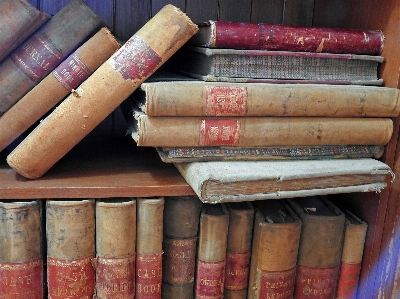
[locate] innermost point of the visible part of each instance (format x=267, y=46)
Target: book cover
x=102, y=92
x=57, y=85
x=115, y=248
x=38, y=55
x=274, y=37
x=276, y=240
x=21, y=254
x=70, y=233
x=181, y=223
x=232, y=65
x=320, y=249
x=225, y=181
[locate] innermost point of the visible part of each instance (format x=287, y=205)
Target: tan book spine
x=103, y=91
x=57, y=85
x=150, y=213
x=21, y=260
x=70, y=232
x=115, y=248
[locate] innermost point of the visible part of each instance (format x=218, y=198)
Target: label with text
x=210, y=278
x=275, y=284
x=348, y=280
x=237, y=270
x=148, y=276
x=226, y=101
x=218, y=132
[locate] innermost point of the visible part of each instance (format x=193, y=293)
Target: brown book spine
x=57, y=85
x=211, y=252
x=21, y=261
x=179, y=246
x=149, y=252
x=115, y=248
x=70, y=232
x=238, y=250
x=103, y=91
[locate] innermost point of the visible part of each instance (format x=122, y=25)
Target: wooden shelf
x=98, y=169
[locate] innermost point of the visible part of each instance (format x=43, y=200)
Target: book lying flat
x=225, y=181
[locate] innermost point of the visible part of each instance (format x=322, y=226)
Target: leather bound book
x=57, y=85
x=181, y=223
x=115, y=248
x=238, y=250
x=102, y=92
x=320, y=249
x=70, y=232
x=276, y=239
x=38, y=55
x=149, y=252
x=21, y=260
x=211, y=252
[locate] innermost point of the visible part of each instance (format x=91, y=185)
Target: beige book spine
x=102, y=92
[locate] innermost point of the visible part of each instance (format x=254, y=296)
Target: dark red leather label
x=316, y=283
x=148, y=276
x=275, y=284
x=237, y=270
x=348, y=281
x=210, y=277
x=219, y=132
x=21, y=280
x=226, y=101
x=72, y=279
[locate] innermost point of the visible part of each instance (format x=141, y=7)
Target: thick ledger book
x=102, y=92
x=224, y=181
x=57, y=85
x=70, y=232
x=149, y=251
x=276, y=239
x=181, y=223
x=232, y=65
x=353, y=247
x=320, y=248
x=199, y=98
x=115, y=248
x=238, y=249
x=211, y=252
x=245, y=35
x=19, y=19
x=38, y=55
x=21, y=260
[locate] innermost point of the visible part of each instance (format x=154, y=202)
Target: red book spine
x=348, y=281
x=210, y=279
x=148, y=276
x=275, y=284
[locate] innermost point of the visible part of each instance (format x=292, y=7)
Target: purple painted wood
x=298, y=12
x=235, y=11
x=202, y=11
x=156, y=5
x=105, y=9
x=270, y=11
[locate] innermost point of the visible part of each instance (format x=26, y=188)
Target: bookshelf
x=108, y=164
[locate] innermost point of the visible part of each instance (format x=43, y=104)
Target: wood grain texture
x=238, y=11
x=298, y=12
x=270, y=11
x=202, y=11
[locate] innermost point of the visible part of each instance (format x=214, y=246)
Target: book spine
x=149, y=247
x=57, y=85
x=115, y=248
x=103, y=91
x=70, y=232
x=21, y=261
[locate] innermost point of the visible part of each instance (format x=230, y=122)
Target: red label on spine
x=210, y=277
x=275, y=284
x=237, y=270
x=36, y=57
x=219, y=132
x=226, y=101
x=22, y=280
x=148, y=276
x=316, y=283
x=70, y=278
x=348, y=281
x=179, y=260
x=115, y=277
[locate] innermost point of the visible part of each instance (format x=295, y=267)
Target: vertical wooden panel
x=270, y=12
x=202, y=11
x=236, y=11
x=104, y=9
x=34, y=3
x=51, y=6
x=298, y=12
x=331, y=14
x=158, y=4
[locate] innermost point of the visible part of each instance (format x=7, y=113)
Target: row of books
x=150, y=248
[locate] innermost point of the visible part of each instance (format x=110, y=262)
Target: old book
x=199, y=98
x=70, y=233
x=320, y=248
x=115, y=248
x=102, y=92
x=232, y=65
x=353, y=247
x=211, y=252
x=245, y=35
x=37, y=56
x=224, y=181
x=19, y=20
x=21, y=260
x=181, y=223
x=276, y=239
x=149, y=252
x=57, y=85
x=238, y=249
